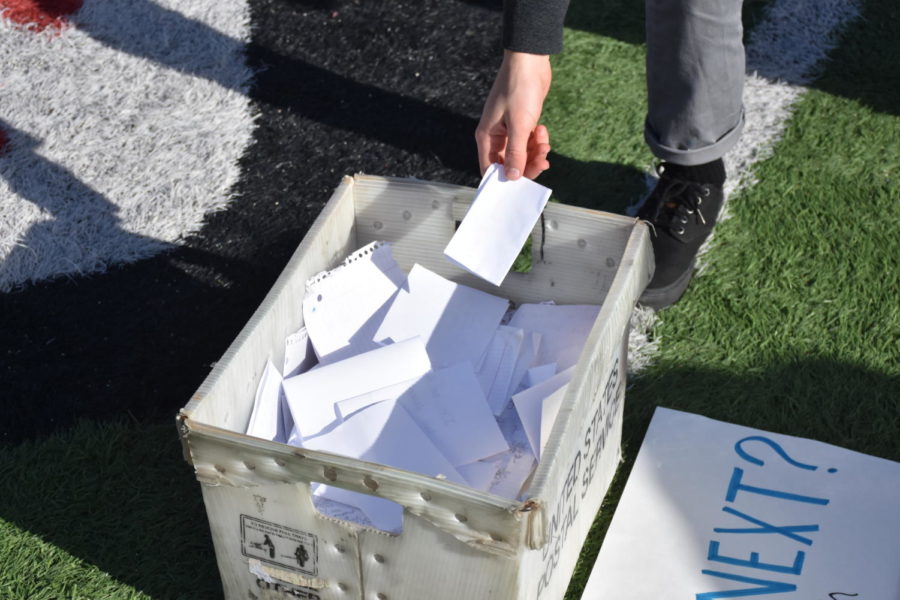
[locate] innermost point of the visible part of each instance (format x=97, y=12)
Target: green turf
x=103, y=511
x=793, y=328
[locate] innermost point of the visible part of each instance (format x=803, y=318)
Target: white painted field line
x=124, y=129
x=783, y=54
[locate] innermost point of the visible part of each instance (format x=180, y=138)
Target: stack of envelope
x=417, y=372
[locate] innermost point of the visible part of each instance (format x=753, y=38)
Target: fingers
x=495, y=146
x=515, y=158
x=490, y=148
x=538, y=149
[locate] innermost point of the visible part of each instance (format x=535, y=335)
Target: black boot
x=681, y=211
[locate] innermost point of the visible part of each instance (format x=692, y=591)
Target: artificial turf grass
x=809, y=395
x=35, y=569
x=807, y=267
x=103, y=511
x=793, y=326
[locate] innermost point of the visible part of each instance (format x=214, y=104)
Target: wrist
x=525, y=58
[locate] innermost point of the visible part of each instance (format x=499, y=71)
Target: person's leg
x=695, y=78
x=695, y=75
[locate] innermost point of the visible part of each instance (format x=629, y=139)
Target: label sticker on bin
x=279, y=545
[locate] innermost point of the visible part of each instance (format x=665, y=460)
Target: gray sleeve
x=534, y=26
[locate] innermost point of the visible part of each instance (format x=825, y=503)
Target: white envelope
x=538, y=374
x=498, y=363
x=528, y=354
x=504, y=474
x=449, y=406
x=481, y=473
x=267, y=418
x=383, y=433
x=312, y=395
x=563, y=328
x=529, y=405
x=343, y=307
x=512, y=477
x=497, y=224
x=451, y=409
x=299, y=355
x=456, y=322
x=345, y=408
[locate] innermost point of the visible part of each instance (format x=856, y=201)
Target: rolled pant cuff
x=696, y=156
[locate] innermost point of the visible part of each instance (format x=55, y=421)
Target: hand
x=508, y=132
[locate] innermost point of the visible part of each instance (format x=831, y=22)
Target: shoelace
x=678, y=194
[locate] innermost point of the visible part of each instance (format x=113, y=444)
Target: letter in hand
x=508, y=132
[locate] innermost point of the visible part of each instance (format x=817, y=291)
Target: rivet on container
x=407, y=215
x=377, y=225
x=378, y=558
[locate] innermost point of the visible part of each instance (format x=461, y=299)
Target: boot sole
x=662, y=297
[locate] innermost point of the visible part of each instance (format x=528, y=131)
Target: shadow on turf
x=410, y=124
x=145, y=347
x=101, y=370
x=120, y=497
x=51, y=187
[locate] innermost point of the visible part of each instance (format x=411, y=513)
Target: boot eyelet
x=680, y=231
x=705, y=191
x=684, y=219
x=689, y=211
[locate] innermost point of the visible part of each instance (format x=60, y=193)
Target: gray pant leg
x=695, y=78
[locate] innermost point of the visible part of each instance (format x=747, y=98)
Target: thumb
x=516, y=156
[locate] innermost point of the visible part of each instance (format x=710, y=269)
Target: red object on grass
x=39, y=14
x=4, y=140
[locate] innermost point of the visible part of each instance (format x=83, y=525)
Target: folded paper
x=497, y=224
x=456, y=322
x=312, y=395
x=382, y=433
x=344, y=307
x=267, y=420
x=563, y=328
x=529, y=404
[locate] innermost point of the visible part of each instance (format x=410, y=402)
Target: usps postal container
x=457, y=542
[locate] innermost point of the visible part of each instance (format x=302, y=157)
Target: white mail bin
x=457, y=542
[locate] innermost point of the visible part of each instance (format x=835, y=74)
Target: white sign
x=713, y=510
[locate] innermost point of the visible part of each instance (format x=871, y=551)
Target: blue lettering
x=754, y=562
x=735, y=486
x=787, y=530
x=765, y=587
x=738, y=447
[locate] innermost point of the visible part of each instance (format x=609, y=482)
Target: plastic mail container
x=457, y=542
